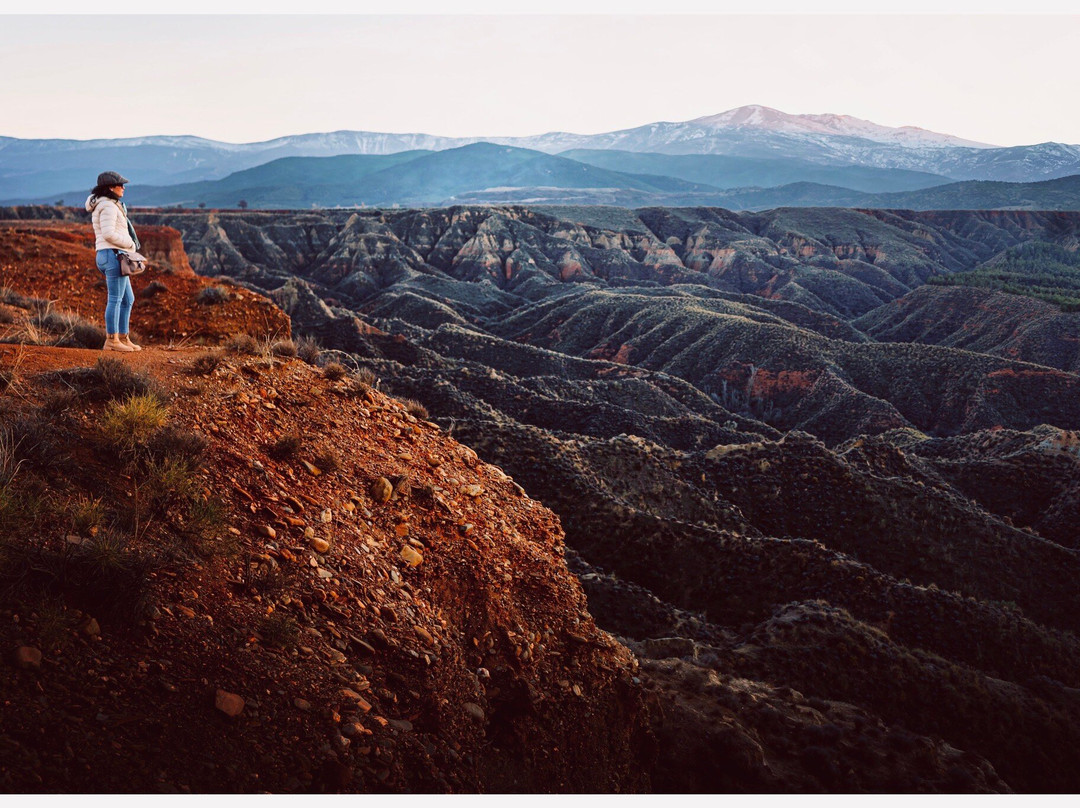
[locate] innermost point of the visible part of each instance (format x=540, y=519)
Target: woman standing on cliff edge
x=113, y=232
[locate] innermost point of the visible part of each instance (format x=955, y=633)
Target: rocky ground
x=378, y=610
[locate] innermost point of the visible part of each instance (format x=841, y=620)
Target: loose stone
x=411, y=556
x=27, y=657
x=475, y=711
x=381, y=490
x=229, y=703
x=358, y=701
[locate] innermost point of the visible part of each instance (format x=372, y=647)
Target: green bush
x=129, y=424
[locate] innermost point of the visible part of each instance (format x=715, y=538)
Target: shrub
x=34, y=443
x=283, y=347
x=108, y=379
x=107, y=574
x=171, y=442
x=82, y=335
x=21, y=512
x=357, y=388
x=67, y=330
x=9, y=374
x=335, y=371
x=9, y=455
x=362, y=381
x=278, y=629
x=286, y=446
x=130, y=423
x=20, y=301
x=153, y=289
x=328, y=460
x=168, y=481
x=242, y=344
x=55, y=623
x=87, y=516
x=212, y=296
x=104, y=576
x=415, y=408
x=27, y=334
x=206, y=363
x=307, y=348
x=54, y=321
x=204, y=525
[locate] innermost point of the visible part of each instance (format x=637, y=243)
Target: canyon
x=821, y=511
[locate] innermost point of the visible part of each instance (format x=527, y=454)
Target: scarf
x=131, y=227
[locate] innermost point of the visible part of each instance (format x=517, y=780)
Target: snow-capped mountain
x=773, y=120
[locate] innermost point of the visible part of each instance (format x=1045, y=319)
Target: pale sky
x=1001, y=79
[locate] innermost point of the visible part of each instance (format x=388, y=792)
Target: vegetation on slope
x=1038, y=269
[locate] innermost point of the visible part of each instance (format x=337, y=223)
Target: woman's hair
x=104, y=190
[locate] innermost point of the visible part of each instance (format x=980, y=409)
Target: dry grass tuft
x=242, y=344
x=207, y=363
x=328, y=460
x=153, y=289
x=212, y=296
x=108, y=379
x=308, y=349
x=284, y=348
x=286, y=446
x=415, y=408
x=335, y=371
x=279, y=629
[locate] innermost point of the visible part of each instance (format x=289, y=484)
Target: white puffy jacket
x=110, y=224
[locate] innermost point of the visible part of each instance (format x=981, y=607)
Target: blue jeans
x=118, y=307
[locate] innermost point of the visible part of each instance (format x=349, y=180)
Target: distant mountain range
x=745, y=158
x=484, y=173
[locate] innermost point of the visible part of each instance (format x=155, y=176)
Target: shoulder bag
x=131, y=263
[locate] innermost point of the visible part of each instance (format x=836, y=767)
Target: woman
x=114, y=232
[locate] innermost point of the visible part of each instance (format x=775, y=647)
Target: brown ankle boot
x=126, y=339
x=113, y=343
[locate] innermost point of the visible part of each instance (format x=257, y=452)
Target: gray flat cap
x=111, y=178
